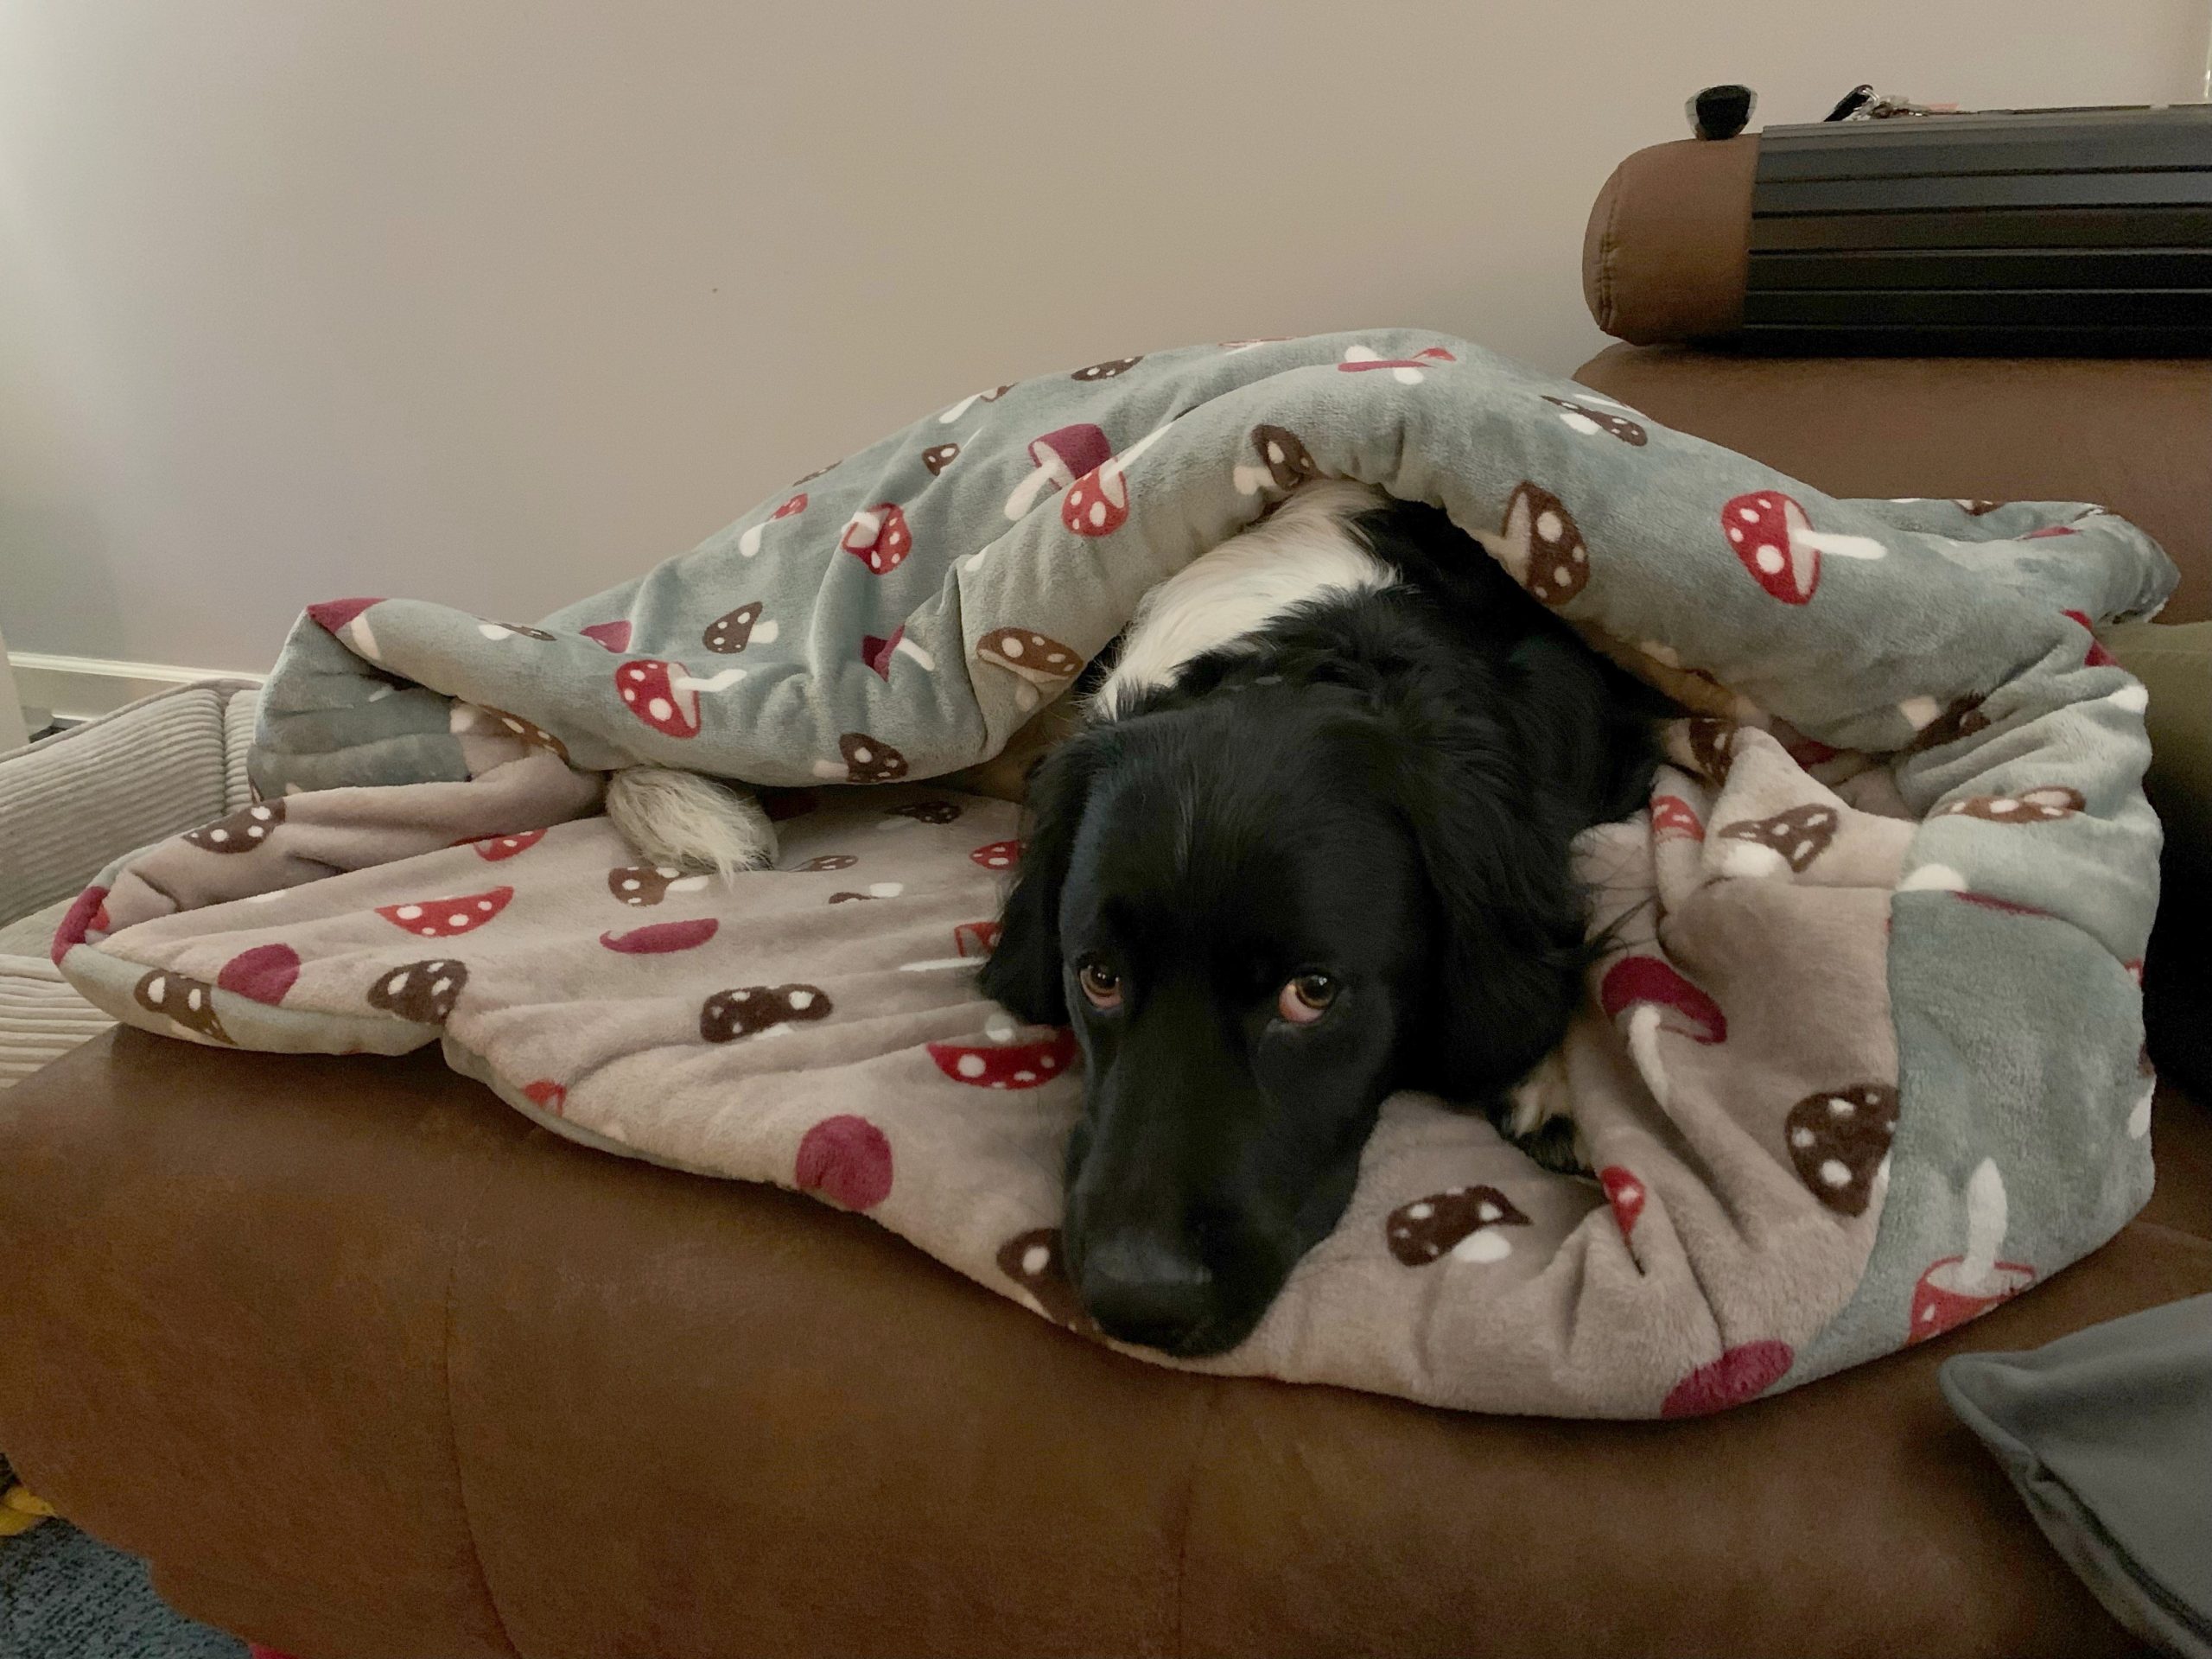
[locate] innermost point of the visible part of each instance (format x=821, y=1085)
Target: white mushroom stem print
x=1062, y=457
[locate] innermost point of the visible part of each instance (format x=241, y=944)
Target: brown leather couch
x=370, y=1368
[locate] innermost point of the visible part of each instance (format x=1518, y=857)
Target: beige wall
x=498, y=302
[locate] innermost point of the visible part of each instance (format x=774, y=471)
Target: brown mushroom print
x=648, y=884
x=1040, y=662
x=1838, y=1139
x=1712, y=745
x=748, y=1010
x=1963, y=718
x=1580, y=417
x=925, y=811
x=823, y=861
x=1975, y=506
x=2029, y=806
x=188, y=1004
x=938, y=456
x=1107, y=370
x=1460, y=1222
x=1033, y=1260
x=241, y=832
x=1542, y=547
x=732, y=631
x=424, y=992
x=537, y=736
x=1284, y=461
x=865, y=761
x=1794, y=838
x=509, y=630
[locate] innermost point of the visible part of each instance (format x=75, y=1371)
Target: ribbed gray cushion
x=40, y=1017
x=72, y=803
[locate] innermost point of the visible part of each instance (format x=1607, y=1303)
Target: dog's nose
x=1144, y=1289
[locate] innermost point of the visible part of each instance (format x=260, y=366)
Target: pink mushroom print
x=1779, y=546
x=2098, y=655
x=877, y=653
x=614, y=636
x=665, y=695
x=1645, y=996
x=1007, y=1066
x=877, y=536
x=263, y=974
x=1406, y=371
x=1062, y=457
x=659, y=938
x=847, y=1160
x=749, y=543
x=446, y=919
x=1742, y=1373
x=1958, y=1287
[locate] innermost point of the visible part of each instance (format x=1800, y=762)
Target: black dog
x=1321, y=860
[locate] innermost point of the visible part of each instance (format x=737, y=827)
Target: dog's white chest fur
x=1304, y=549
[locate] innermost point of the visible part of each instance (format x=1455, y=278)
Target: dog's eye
x=1100, y=983
x=1306, y=999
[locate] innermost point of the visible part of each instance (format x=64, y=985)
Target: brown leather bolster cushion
x=1668, y=250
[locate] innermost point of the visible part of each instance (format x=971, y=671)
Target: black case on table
x=2059, y=231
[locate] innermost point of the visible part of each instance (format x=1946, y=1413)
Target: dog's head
x=1262, y=911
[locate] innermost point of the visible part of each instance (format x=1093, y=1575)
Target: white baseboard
x=80, y=688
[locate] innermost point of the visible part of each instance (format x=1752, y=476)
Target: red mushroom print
x=2098, y=655
x=1779, y=546
x=660, y=938
x=732, y=631
x=1406, y=371
x=1097, y=503
x=1958, y=1287
x=847, y=1160
x=87, y=915
x=1625, y=1193
x=446, y=919
x=2049, y=531
x=877, y=536
x=1033, y=1260
x=976, y=939
x=877, y=653
x=188, y=1004
x=1009, y=1066
x=548, y=1097
x=493, y=848
x=749, y=543
x=665, y=695
x=1673, y=819
x=998, y=855
x=1742, y=1373
x=263, y=974
x=334, y=614
x=1062, y=457
x=614, y=636
x=1645, y=996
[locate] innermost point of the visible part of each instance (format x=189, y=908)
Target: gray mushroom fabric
x=1859, y=1057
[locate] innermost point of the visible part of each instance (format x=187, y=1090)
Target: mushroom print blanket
x=1860, y=1058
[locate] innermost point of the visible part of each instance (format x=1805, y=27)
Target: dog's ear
x=1509, y=953
x=1023, y=971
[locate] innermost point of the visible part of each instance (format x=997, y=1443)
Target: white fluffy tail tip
x=692, y=822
